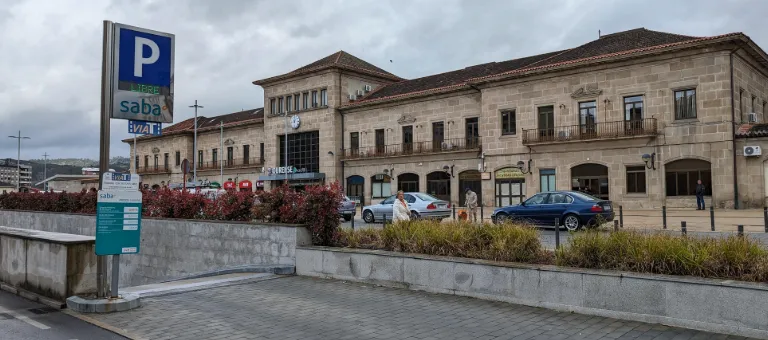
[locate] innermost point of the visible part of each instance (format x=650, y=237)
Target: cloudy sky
x=50, y=50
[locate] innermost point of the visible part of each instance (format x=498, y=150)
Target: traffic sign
x=118, y=222
x=143, y=74
x=145, y=128
x=120, y=181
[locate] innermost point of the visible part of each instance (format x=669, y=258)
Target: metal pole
x=221, y=161
x=664, y=215
x=621, y=216
x=615, y=225
x=354, y=212
x=285, y=151
x=765, y=218
x=683, y=228
x=740, y=229
x=18, y=163
x=194, y=146
x=106, y=103
x=712, y=217
x=135, y=156
x=557, y=233
x=45, y=171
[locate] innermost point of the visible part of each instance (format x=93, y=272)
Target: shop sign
x=485, y=175
x=509, y=173
x=285, y=170
x=470, y=175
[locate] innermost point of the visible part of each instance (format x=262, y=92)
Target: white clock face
x=295, y=122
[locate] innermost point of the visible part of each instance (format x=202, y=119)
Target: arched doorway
x=590, y=178
x=439, y=185
x=681, y=177
x=356, y=188
x=381, y=186
x=470, y=179
x=510, y=186
x=408, y=182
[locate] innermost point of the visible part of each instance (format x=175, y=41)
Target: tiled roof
x=205, y=124
x=752, y=130
x=621, y=43
x=339, y=59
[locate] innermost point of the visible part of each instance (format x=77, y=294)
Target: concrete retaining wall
x=712, y=305
x=52, y=265
x=172, y=249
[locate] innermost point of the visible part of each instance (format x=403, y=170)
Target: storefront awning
x=291, y=177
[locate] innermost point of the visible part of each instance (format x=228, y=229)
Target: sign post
x=185, y=171
x=136, y=84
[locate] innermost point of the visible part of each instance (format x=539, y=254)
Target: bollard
x=454, y=212
x=740, y=229
x=765, y=218
x=712, y=217
x=615, y=225
x=353, y=219
x=683, y=228
x=557, y=233
x=482, y=218
x=621, y=217
x=664, y=215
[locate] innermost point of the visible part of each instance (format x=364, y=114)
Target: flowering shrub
x=79, y=202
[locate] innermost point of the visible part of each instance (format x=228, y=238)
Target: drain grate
x=43, y=310
x=5, y=316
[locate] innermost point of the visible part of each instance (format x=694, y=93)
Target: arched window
x=439, y=185
x=408, y=182
x=590, y=178
x=470, y=179
x=682, y=175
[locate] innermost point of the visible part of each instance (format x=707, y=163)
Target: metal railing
x=159, y=169
x=231, y=163
x=417, y=148
x=594, y=131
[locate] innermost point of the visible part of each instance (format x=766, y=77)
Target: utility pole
x=286, y=148
x=18, y=159
x=194, y=146
x=45, y=171
x=221, y=161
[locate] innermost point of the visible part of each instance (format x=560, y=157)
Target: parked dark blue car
x=574, y=209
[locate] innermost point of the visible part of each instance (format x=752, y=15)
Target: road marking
x=24, y=318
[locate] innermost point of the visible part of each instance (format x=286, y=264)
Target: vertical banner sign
x=142, y=74
x=118, y=222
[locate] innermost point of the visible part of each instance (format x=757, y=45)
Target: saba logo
x=143, y=108
x=106, y=196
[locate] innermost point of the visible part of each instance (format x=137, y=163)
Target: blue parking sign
x=143, y=74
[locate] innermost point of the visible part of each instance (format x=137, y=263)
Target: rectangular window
x=408, y=139
x=685, y=104
x=354, y=142
x=547, y=180
x=381, y=186
x=472, y=132
x=683, y=182
x=296, y=102
x=636, y=179
x=546, y=115
x=508, y=122
x=178, y=158
x=438, y=135
x=230, y=155
x=314, y=98
x=261, y=152
x=588, y=117
x=146, y=162
x=273, y=106
x=280, y=105
x=380, y=141
x=214, y=156
x=165, y=161
x=246, y=154
x=199, y=159
x=305, y=100
x=156, y=161
x=633, y=114
x=288, y=103
x=303, y=151
x=323, y=97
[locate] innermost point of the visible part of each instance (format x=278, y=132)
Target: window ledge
x=508, y=136
x=684, y=121
x=636, y=195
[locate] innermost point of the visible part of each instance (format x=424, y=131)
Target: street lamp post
x=45, y=171
x=18, y=159
x=194, y=147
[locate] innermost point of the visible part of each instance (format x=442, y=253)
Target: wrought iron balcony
x=417, y=148
x=156, y=169
x=237, y=163
x=595, y=131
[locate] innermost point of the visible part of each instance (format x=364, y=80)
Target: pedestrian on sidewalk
x=400, y=210
x=470, y=201
x=700, y=188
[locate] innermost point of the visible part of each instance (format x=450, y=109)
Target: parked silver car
x=421, y=206
x=347, y=208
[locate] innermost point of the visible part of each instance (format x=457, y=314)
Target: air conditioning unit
x=367, y=88
x=359, y=92
x=752, y=117
x=751, y=151
x=352, y=97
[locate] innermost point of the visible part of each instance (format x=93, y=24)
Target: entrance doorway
x=439, y=185
x=590, y=178
x=510, y=186
x=408, y=182
x=470, y=179
x=355, y=188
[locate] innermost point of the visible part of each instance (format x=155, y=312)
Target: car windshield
x=426, y=197
x=584, y=197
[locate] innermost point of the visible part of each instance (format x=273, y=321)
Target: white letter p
x=139, y=61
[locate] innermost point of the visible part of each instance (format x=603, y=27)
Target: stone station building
x=636, y=117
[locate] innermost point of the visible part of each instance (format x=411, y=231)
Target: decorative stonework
x=229, y=141
x=590, y=90
x=406, y=119
x=155, y=150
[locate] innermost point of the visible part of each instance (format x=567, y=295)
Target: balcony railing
x=159, y=169
x=231, y=163
x=594, y=131
x=417, y=148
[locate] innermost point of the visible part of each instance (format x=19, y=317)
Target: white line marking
x=24, y=318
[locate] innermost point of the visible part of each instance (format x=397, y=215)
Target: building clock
x=295, y=122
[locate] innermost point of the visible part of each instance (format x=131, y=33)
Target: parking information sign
x=120, y=181
x=143, y=74
x=118, y=222
x=145, y=128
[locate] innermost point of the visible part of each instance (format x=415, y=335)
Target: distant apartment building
x=12, y=174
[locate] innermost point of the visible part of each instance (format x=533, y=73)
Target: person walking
x=700, y=189
x=470, y=201
x=400, y=210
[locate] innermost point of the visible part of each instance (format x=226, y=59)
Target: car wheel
x=347, y=218
x=501, y=218
x=414, y=215
x=572, y=222
x=368, y=216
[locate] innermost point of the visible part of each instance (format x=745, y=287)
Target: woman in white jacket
x=400, y=210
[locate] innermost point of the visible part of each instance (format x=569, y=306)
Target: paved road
x=305, y=308
x=21, y=319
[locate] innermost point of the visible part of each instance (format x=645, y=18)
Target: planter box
x=720, y=306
